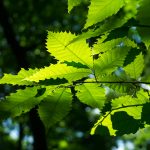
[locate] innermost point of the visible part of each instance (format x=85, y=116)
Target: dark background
x=23, y=31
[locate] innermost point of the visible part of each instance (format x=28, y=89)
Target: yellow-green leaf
x=59, y=71
x=136, y=67
x=91, y=94
x=57, y=45
x=101, y=9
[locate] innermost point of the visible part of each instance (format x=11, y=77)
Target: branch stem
x=117, y=82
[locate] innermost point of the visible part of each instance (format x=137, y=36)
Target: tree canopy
x=104, y=65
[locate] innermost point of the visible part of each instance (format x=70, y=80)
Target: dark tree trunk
x=20, y=136
x=38, y=131
x=37, y=126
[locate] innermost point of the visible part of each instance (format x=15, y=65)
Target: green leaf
x=130, y=8
x=102, y=9
x=59, y=71
x=109, y=45
x=128, y=104
x=91, y=94
x=132, y=106
x=55, y=107
x=109, y=61
x=143, y=17
x=143, y=96
x=119, y=119
x=57, y=45
x=135, y=69
x=118, y=85
x=106, y=122
x=111, y=23
x=73, y=3
x=20, y=102
x=146, y=113
x=19, y=78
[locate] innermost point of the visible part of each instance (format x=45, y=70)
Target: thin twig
x=142, y=25
x=77, y=83
x=126, y=82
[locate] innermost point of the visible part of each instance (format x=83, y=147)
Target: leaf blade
x=135, y=68
x=51, y=110
x=57, y=45
x=59, y=71
x=96, y=8
x=91, y=94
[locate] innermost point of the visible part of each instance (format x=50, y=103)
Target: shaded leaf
x=124, y=124
x=146, y=113
x=55, y=107
x=20, y=102
x=143, y=17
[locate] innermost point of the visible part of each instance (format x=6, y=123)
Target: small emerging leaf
x=73, y=3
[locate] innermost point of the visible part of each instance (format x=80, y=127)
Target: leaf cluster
x=109, y=70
